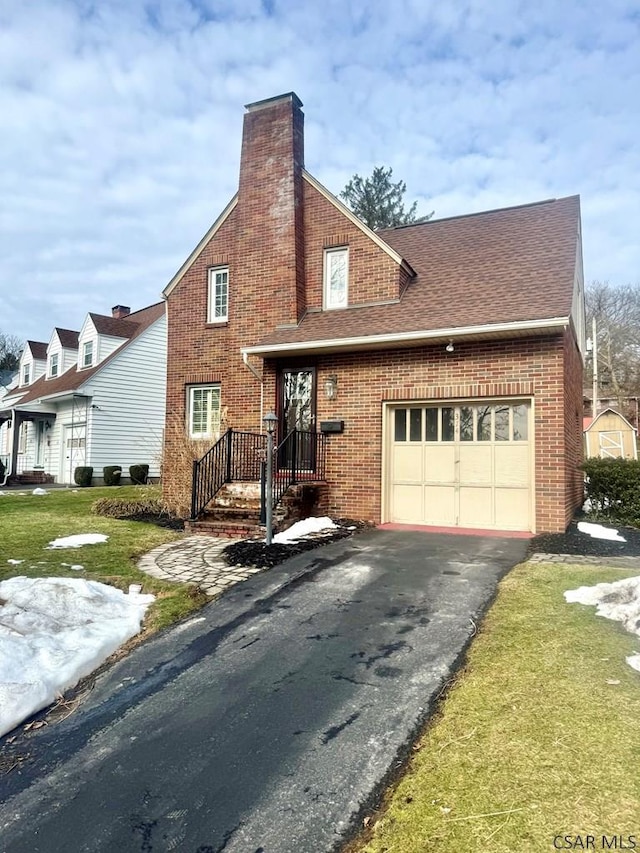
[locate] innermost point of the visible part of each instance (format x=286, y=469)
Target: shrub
x=2, y=469
x=83, y=475
x=139, y=474
x=128, y=508
x=613, y=487
x=111, y=475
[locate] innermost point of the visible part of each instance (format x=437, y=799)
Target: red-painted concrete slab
x=460, y=531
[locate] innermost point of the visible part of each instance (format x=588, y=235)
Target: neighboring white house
x=94, y=397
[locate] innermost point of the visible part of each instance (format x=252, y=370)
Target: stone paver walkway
x=195, y=559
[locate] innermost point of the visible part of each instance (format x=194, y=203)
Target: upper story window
x=204, y=411
x=87, y=353
x=218, y=302
x=336, y=277
x=54, y=364
x=26, y=374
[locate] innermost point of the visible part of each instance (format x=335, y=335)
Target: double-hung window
x=26, y=374
x=87, y=354
x=218, y=302
x=204, y=411
x=54, y=364
x=336, y=277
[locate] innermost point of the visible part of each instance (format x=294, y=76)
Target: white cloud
x=122, y=122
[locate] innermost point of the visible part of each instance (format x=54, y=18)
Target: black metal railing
x=300, y=456
x=235, y=456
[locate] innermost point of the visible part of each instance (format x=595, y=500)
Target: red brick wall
x=373, y=275
x=524, y=368
x=574, y=442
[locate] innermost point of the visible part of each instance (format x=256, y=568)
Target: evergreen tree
x=379, y=202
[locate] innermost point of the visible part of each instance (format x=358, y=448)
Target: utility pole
x=594, y=351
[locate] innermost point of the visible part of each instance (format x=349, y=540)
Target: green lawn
x=539, y=735
x=29, y=522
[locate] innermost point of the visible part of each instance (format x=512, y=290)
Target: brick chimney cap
x=269, y=102
x=120, y=311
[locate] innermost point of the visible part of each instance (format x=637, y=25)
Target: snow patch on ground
x=304, y=528
x=53, y=632
x=619, y=601
x=15, y=562
x=39, y=492
x=78, y=540
x=597, y=531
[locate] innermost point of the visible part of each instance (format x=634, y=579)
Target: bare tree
x=617, y=314
x=10, y=351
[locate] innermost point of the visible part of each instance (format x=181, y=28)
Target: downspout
x=245, y=360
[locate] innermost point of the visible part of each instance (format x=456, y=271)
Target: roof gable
x=608, y=411
x=37, y=349
x=67, y=338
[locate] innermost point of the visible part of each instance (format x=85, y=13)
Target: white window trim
x=25, y=376
x=211, y=295
x=51, y=374
x=86, y=364
x=214, y=422
x=326, y=290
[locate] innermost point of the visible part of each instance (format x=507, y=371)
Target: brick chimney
x=120, y=311
x=271, y=209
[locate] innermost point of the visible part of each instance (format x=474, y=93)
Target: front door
x=73, y=450
x=297, y=411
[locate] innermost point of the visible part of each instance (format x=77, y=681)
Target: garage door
x=466, y=465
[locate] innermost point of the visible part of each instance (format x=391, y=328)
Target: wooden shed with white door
x=610, y=436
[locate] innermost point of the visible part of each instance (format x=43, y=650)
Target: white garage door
x=461, y=465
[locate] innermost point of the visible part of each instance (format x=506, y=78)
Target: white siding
x=128, y=396
x=107, y=345
x=67, y=414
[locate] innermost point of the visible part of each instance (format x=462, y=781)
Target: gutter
x=454, y=334
x=245, y=361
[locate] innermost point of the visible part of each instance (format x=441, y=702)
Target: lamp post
x=270, y=421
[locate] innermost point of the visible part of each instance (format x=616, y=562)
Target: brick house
x=448, y=353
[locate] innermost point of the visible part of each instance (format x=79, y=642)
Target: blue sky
x=121, y=124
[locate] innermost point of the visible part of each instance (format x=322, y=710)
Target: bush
x=111, y=475
x=613, y=488
x=83, y=475
x=2, y=469
x=128, y=508
x=139, y=474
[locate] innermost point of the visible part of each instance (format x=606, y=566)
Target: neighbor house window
x=26, y=374
x=204, y=411
x=336, y=277
x=53, y=364
x=87, y=354
x=218, y=309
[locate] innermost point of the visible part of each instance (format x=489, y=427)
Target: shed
x=609, y=435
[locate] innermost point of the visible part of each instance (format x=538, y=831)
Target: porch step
x=213, y=525
x=30, y=478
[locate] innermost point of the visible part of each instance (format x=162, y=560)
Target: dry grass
x=179, y=461
x=538, y=736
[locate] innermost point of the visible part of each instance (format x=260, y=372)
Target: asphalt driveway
x=269, y=722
